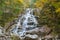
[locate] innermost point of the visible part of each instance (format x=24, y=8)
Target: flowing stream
x=25, y=23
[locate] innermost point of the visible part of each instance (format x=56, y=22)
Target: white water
x=27, y=21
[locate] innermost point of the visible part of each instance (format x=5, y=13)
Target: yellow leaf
x=22, y=1
x=7, y=3
x=38, y=4
x=58, y=10
x=44, y=1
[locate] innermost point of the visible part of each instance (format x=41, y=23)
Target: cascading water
x=26, y=22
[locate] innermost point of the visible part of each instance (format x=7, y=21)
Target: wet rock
x=1, y=30
x=34, y=36
x=45, y=29
x=36, y=30
x=31, y=37
x=59, y=36
x=49, y=36
x=3, y=38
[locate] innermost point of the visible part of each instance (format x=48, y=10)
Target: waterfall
x=27, y=22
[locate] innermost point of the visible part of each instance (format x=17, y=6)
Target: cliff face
x=33, y=34
x=36, y=33
x=27, y=28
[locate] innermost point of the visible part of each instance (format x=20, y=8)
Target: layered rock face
x=26, y=29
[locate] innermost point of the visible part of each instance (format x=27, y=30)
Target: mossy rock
x=27, y=38
x=15, y=38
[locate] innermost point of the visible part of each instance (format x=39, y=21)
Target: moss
x=15, y=37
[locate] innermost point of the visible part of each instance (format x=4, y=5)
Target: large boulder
x=31, y=37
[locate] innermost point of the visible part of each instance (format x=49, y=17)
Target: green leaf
x=1, y=12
